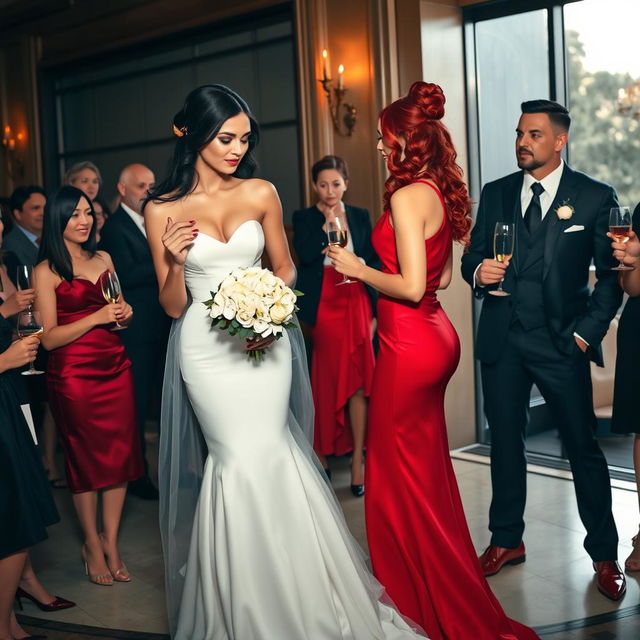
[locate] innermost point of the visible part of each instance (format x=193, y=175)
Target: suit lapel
x=566, y=195
x=130, y=227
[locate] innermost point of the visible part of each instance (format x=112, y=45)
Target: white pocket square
x=575, y=227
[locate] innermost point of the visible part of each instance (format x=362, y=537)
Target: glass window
x=602, y=58
x=507, y=74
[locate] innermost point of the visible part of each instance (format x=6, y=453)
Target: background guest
x=86, y=177
x=125, y=239
x=102, y=212
x=89, y=377
x=545, y=332
x=626, y=418
x=21, y=247
x=26, y=506
x=340, y=317
x=27, y=208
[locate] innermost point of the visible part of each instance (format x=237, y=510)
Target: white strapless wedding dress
x=269, y=556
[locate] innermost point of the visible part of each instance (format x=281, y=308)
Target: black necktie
x=533, y=214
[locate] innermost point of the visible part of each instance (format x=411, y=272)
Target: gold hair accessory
x=179, y=131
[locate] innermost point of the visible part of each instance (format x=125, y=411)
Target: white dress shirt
x=136, y=217
x=550, y=185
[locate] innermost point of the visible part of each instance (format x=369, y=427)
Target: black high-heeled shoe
x=57, y=605
x=357, y=490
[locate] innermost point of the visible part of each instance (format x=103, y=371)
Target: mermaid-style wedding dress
x=268, y=555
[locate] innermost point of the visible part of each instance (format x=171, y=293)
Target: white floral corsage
x=565, y=211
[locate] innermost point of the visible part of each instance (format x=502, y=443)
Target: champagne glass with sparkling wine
x=29, y=324
x=503, y=238
x=620, y=229
x=337, y=234
x=111, y=291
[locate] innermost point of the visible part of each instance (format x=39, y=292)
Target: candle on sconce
x=325, y=65
x=340, y=77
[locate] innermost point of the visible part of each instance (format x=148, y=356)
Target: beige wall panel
x=443, y=63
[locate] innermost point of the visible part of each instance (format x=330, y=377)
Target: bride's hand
x=262, y=343
x=178, y=238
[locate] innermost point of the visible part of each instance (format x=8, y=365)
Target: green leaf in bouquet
x=297, y=293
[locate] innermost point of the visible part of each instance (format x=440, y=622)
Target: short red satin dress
x=420, y=546
x=342, y=360
x=90, y=387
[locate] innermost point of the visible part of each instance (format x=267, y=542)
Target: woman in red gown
x=340, y=318
x=418, y=537
x=89, y=377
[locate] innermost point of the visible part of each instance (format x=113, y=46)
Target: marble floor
x=553, y=591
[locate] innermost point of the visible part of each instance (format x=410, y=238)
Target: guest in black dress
x=339, y=317
x=626, y=418
x=26, y=505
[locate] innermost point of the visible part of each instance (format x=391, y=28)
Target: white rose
x=268, y=279
x=229, y=310
x=215, y=311
x=245, y=317
x=262, y=327
x=279, y=313
x=564, y=212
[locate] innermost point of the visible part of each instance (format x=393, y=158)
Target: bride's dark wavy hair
x=412, y=124
x=204, y=112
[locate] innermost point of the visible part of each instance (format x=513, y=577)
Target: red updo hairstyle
x=428, y=152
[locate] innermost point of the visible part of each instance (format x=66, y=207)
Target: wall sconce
x=335, y=96
x=13, y=147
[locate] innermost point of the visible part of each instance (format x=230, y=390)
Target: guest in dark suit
x=27, y=209
x=340, y=318
x=21, y=247
x=546, y=331
x=626, y=418
x=124, y=238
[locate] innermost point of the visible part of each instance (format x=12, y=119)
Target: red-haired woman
x=418, y=537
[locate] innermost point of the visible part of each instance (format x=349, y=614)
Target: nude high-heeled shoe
x=101, y=579
x=119, y=575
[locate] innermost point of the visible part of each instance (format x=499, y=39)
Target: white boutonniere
x=565, y=211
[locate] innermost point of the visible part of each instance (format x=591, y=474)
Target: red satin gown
x=342, y=360
x=420, y=546
x=90, y=387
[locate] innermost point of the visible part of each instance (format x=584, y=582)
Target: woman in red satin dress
x=89, y=377
x=418, y=537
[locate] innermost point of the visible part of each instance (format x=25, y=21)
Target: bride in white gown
x=255, y=544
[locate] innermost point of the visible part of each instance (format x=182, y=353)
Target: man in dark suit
x=546, y=331
x=27, y=208
x=124, y=238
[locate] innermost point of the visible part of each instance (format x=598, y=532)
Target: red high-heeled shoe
x=57, y=605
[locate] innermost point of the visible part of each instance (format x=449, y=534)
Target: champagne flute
x=503, y=238
x=29, y=324
x=24, y=278
x=620, y=229
x=338, y=235
x=111, y=291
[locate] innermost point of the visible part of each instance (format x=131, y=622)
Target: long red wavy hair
x=412, y=125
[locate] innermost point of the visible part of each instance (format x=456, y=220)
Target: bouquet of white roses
x=253, y=303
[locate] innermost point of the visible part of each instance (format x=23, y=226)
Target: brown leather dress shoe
x=494, y=558
x=611, y=580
